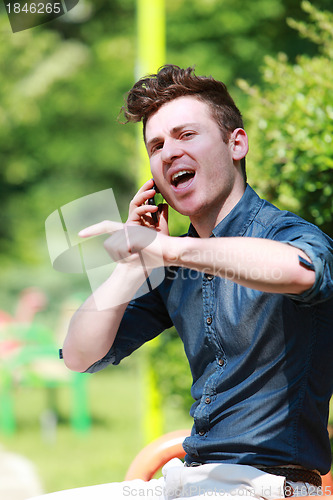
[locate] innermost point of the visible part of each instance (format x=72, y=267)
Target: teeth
x=178, y=174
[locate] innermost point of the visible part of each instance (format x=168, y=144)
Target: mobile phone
x=151, y=201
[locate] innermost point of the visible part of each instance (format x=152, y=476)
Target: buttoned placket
x=202, y=413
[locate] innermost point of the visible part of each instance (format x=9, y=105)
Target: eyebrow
x=174, y=131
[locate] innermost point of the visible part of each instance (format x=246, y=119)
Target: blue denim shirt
x=262, y=363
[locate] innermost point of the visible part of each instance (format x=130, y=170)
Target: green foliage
x=230, y=38
x=290, y=123
x=59, y=135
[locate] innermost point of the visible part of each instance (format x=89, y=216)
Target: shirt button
x=209, y=320
x=207, y=400
x=221, y=362
x=201, y=432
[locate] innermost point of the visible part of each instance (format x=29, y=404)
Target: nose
x=170, y=151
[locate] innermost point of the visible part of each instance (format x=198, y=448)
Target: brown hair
x=150, y=93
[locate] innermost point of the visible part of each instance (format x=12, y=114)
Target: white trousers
x=231, y=481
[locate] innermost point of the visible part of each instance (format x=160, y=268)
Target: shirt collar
x=238, y=220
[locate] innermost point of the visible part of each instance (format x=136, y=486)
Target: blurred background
x=62, y=85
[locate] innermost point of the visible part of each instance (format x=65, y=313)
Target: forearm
x=94, y=326
x=262, y=264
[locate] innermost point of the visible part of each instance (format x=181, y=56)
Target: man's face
x=192, y=166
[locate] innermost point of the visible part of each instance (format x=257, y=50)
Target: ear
x=239, y=144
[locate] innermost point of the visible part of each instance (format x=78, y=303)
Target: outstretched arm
x=262, y=264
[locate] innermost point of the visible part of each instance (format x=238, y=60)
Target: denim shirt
x=262, y=363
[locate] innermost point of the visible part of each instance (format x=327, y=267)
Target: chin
x=188, y=211
x=187, y=206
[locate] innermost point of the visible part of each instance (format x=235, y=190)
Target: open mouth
x=182, y=178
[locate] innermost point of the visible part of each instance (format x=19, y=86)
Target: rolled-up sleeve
x=144, y=319
x=319, y=248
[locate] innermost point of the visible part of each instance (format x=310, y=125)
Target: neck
x=205, y=223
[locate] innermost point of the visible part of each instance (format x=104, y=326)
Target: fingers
x=105, y=227
x=147, y=185
x=131, y=240
x=145, y=192
x=141, y=198
x=144, y=209
x=117, y=244
x=127, y=241
x=139, y=208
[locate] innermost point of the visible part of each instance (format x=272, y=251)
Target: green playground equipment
x=34, y=362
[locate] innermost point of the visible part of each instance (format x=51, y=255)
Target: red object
x=327, y=484
x=5, y=318
x=153, y=456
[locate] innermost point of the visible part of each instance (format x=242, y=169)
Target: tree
x=230, y=38
x=290, y=123
x=59, y=135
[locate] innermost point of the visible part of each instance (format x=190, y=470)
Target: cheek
x=221, y=160
x=153, y=168
x=211, y=153
x=157, y=174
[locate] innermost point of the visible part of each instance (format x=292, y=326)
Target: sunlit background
x=62, y=85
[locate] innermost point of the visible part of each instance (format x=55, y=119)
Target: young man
x=256, y=319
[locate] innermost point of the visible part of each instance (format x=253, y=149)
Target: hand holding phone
x=141, y=209
x=151, y=201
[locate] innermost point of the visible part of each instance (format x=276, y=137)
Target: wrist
x=177, y=251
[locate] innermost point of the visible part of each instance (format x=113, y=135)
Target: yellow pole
x=151, y=55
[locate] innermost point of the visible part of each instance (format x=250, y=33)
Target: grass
x=69, y=459
x=116, y=398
